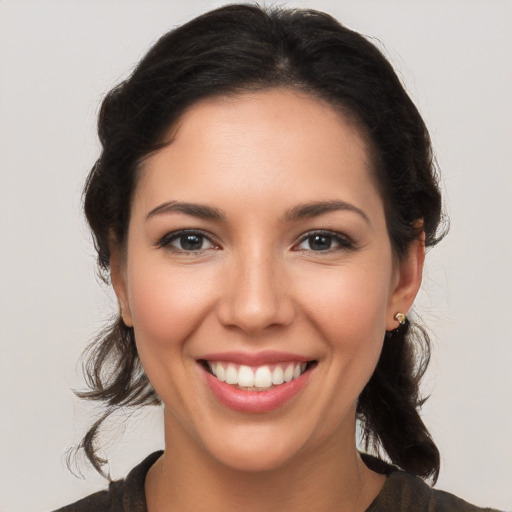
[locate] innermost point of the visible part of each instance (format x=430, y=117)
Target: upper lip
x=256, y=358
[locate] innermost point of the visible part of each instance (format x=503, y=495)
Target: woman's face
x=257, y=251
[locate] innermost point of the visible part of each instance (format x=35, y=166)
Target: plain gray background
x=58, y=58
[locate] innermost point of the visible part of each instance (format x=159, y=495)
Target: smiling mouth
x=258, y=378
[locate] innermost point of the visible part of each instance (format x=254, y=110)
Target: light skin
x=263, y=270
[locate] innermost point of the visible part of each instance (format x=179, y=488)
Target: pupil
x=191, y=242
x=320, y=242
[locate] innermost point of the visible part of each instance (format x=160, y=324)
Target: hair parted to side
x=238, y=48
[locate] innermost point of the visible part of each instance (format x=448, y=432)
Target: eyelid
x=344, y=241
x=165, y=241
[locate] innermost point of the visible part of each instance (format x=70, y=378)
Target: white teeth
x=263, y=377
x=277, y=376
x=231, y=375
x=288, y=373
x=245, y=377
x=257, y=379
x=219, y=372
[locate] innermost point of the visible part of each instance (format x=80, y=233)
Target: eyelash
x=166, y=241
x=344, y=242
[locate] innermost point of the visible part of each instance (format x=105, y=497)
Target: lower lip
x=256, y=401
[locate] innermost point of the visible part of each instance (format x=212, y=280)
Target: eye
x=187, y=241
x=321, y=241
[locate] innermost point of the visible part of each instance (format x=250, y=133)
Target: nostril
x=255, y=299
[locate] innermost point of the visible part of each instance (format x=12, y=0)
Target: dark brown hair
x=244, y=47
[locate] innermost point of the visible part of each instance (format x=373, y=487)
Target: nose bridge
x=256, y=296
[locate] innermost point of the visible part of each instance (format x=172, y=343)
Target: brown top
x=401, y=493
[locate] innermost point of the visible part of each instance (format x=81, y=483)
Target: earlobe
x=410, y=271
x=118, y=278
x=124, y=312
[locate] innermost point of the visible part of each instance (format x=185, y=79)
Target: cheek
x=167, y=304
x=347, y=307
x=349, y=304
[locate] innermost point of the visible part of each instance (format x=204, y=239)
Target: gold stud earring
x=400, y=318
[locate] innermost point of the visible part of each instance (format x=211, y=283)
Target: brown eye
x=322, y=241
x=186, y=241
x=190, y=242
x=319, y=242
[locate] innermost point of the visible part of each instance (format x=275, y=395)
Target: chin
x=255, y=449
x=249, y=461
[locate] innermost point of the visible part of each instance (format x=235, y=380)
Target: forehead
x=278, y=143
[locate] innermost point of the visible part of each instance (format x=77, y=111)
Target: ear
x=407, y=282
x=118, y=278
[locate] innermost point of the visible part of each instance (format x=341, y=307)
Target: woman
x=262, y=204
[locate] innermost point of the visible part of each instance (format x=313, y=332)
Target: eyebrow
x=315, y=209
x=196, y=210
x=307, y=210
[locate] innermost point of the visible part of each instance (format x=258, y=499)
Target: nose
x=256, y=294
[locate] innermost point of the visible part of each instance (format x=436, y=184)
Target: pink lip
x=255, y=401
x=256, y=359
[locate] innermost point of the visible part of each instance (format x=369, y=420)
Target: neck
x=331, y=477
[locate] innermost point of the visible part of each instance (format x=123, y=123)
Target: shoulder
x=127, y=494
x=403, y=492
x=99, y=501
